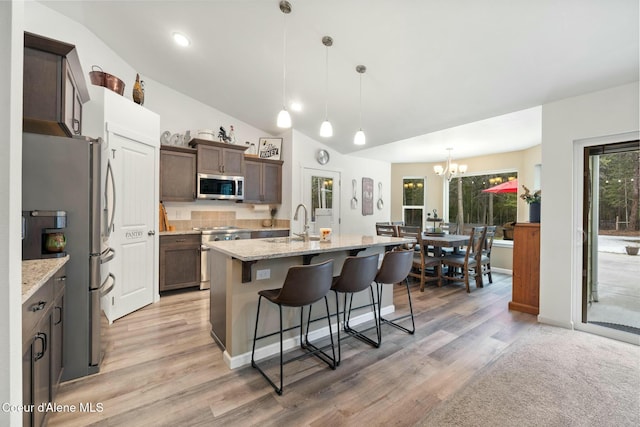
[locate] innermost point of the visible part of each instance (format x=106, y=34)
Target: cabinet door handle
x=38, y=306
x=62, y=279
x=42, y=337
x=59, y=309
x=181, y=240
x=76, y=126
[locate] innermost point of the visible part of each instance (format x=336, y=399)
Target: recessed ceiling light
x=181, y=39
x=296, y=106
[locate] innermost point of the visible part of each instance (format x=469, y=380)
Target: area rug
x=550, y=377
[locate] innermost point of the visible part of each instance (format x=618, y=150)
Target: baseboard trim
x=553, y=322
x=502, y=270
x=273, y=349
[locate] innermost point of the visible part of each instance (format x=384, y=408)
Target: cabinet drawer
x=181, y=240
x=36, y=307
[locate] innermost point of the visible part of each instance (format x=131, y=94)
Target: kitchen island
x=241, y=268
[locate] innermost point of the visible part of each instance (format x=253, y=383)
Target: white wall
x=608, y=112
x=350, y=167
x=11, y=40
x=178, y=112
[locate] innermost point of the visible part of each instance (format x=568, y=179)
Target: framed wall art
x=367, y=196
x=270, y=148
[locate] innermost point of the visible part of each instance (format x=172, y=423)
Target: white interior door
x=321, y=193
x=134, y=225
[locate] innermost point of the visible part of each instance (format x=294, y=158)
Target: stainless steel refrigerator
x=65, y=174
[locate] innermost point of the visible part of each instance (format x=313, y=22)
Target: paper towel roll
x=261, y=208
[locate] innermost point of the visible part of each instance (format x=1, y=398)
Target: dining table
x=439, y=241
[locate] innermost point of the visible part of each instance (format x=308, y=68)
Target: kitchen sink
x=284, y=240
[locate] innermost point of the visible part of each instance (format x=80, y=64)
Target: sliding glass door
x=611, y=288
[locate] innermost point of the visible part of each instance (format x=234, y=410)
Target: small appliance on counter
x=44, y=235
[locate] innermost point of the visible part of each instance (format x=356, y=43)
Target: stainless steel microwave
x=220, y=187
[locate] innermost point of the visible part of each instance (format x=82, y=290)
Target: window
x=413, y=189
x=481, y=207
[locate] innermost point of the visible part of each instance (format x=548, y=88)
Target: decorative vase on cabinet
x=534, y=212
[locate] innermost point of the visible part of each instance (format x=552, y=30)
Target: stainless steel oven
x=215, y=234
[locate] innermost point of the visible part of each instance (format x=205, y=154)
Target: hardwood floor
x=163, y=368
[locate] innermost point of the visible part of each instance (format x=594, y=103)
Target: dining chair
x=485, y=260
x=449, y=227
x=409, y=231
x=421, y=261
x=386, y=230
x=461, y=266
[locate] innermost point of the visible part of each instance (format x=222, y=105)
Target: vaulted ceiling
x=431, y=65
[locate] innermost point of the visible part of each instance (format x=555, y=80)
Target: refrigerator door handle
x=104, y=289
x=107, y=255
x=110, y=205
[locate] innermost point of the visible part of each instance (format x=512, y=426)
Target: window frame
x=422, y=207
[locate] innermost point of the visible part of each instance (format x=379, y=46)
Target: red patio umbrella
x=505, y=187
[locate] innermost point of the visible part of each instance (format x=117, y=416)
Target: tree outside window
x=484, y=208
x=413, y=201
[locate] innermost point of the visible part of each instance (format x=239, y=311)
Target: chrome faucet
x=305, y=233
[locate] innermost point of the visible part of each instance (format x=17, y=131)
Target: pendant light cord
x=326, y=88
x=360, y=101
x=284, y=63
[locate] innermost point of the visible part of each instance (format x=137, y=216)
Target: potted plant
x=534, y=203
x=632, y=249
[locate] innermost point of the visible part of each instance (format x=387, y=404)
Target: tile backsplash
x=184, y=218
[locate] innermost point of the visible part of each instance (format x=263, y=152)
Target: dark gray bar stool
x=303, y=286
x=357, y=275
x=395, y=268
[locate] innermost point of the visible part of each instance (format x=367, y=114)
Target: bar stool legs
x=357, y=275
x=393, y=322
x=303, y=286
x=395, y=268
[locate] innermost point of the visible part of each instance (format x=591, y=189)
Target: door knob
x=151, y=233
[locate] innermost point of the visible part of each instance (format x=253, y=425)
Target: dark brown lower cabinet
x=42, y=343
x=179, y=261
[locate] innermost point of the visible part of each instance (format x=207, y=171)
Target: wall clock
x=322, y=157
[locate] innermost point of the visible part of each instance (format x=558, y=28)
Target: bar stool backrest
x=357, y=274
x=395, y=267
x=306, y=284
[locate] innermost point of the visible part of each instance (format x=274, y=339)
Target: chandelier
x=450, y=170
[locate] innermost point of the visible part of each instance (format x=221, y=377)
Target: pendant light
x=284, y=118
x=360, y=139
x=326, y=130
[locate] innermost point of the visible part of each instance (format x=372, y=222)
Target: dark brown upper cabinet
x=177, y=174
x=263, y=180
x=217, y=158
x=54, y=87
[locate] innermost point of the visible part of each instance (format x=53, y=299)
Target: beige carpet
x=551, y=377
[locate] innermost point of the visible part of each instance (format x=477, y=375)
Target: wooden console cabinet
x=526, y=268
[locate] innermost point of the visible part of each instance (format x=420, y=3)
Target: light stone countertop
x=282, y=247
x=178, y=232
x=36, y=272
